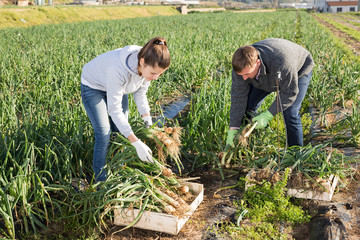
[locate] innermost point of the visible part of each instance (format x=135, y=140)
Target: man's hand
x=143, y=151
x=263, y=119
x=148, y=121
x=231, y=136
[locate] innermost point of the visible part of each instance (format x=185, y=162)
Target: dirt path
x=256, y=10
x=343, y=21
x=355, y=20
x=352, y=43
x=205, y=9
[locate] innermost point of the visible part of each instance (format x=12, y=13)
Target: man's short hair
x=244, y=57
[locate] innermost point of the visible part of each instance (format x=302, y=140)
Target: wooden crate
x=160, y=222
x=329, y=185
x=308, y=193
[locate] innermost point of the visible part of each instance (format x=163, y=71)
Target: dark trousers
x=292, y=116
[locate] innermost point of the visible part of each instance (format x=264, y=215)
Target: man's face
x=250, y=72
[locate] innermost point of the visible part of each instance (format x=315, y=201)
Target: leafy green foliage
x=269, y=203
x=269, y=213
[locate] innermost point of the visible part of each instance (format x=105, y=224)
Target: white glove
x=143, y=151
x=148, y=121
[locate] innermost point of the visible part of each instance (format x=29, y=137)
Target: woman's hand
x=148, y=121
x=143, y=151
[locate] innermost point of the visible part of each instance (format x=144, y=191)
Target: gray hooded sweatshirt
x=115, y=72
x=276, y=55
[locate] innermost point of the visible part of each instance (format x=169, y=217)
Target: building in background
x=336, y=6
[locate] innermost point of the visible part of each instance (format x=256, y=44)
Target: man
x=270, y=65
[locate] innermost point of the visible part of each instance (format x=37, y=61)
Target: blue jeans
x=96, y=108
x=292, y=116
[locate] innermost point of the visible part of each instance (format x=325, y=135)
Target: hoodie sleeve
x=115, y=83
x=140, y=98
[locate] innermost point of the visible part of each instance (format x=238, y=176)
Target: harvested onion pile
x=152, y=184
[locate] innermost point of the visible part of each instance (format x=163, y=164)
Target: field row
x=350, y=24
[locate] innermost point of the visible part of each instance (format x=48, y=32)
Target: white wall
x=343, y=8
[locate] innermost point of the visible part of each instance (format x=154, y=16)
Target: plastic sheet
x=328, y=224
x=171, y=110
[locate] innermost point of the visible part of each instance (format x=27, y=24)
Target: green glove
x=263, y=119
x=231, y=136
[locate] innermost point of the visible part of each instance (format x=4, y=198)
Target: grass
x=30, y=16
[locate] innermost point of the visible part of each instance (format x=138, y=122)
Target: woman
x=106, y=82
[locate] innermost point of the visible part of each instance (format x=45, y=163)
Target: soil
x=351, y=195
x=203, y=218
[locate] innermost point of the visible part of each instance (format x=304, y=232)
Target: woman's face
x=148, y=72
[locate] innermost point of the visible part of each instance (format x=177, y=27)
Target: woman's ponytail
x=155, y=53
